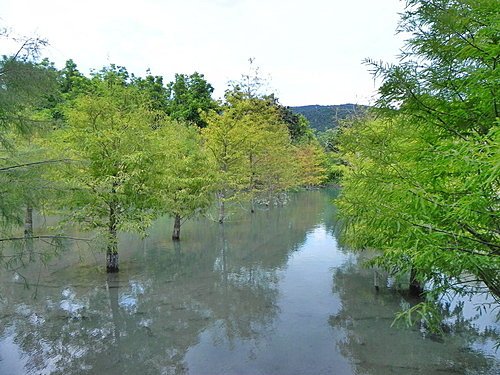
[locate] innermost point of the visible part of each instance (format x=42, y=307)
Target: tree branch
x=34, y=163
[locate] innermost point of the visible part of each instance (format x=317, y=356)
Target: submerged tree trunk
x=416, y=289
x=176, y=234
x=221, y=208
x=376, y=283
x=112, y=250
x=28, y=231
x=252, y=185
x=28, y=221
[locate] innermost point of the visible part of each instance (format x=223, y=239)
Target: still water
x=268, y=293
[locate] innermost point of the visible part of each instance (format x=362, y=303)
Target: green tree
x=225, y=138
x=110, y=139
x=329, y=140
x=184, y=179
x=155, y=90
x=26, y=87
x=421, y=181
x=189, y=97
x=311, y=164
x=298, y=126
x=70, y=75
x=252, y=151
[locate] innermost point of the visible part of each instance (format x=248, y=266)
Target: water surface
x=268, y=293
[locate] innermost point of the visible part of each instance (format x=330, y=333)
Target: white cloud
x=312, y=49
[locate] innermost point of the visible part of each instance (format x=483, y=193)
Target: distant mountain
x=324, y=117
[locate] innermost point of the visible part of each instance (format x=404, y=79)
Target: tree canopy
x=422, y=172
x=189, y=96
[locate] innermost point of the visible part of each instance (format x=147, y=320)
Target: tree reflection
x=376, y=349
x=144, y=320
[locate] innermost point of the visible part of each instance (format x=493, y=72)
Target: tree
x=298, y=126
x=153, y=87
x=185, y=176
x=421, y=179
x=26, y=86
x=311, y=164
x=189, y=97
x=268, y=151
x=225, y=137
x=109, y=137
x=329, y=139
x=70, y=76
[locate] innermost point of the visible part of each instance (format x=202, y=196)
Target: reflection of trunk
x=224, y=255
x=416, y=288
x=113, y=292
x=112, y=250
x=176, y=234
x=28, y=221
x=177, y=249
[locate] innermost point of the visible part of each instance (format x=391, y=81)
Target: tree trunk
x=176, y=234
x=28, y=231
x=112, y=251
x=221, y=208
x=416, y=289
x=112, y=261
x=252, y=184
x=376, y=280
x=28, y=221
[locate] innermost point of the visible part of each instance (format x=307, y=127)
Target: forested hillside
x=322, y=117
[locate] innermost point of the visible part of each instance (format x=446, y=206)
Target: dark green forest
x=323, y=117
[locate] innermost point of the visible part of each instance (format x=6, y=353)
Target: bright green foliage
x=251, y=149
x=189, y=97
x=268, y=150
x=25, y=88
x=184, y=179
x=311, y=164
x=422, y=181
x=329, y=141
x=426, y=200
x=225, y=138
x=111, y=143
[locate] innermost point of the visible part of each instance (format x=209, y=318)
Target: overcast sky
x=311, y=49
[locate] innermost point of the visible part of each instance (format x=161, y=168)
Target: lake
x=266, y=293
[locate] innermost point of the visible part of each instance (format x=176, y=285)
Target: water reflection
x=253, y=296
x=376, y=350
